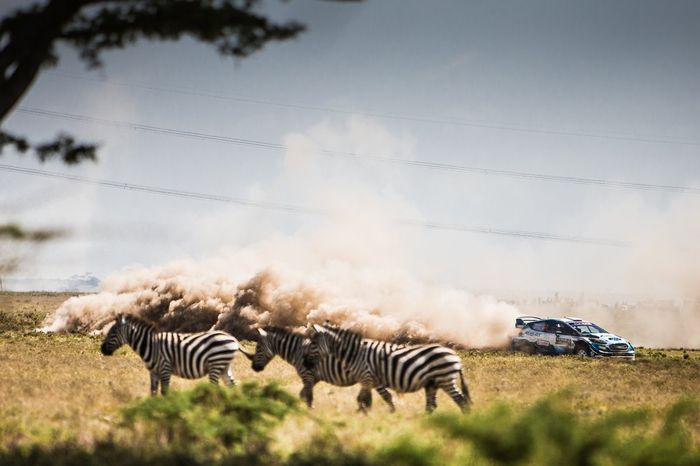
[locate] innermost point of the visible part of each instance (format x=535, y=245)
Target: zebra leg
x=154, y=383
x=307, y=392
x=452, y=390
x=386, y=396
x=430, y=398
x=364, y=400
x=228, y=377
x=164, y=382
x=214, y=375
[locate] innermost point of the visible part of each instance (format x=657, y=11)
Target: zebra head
x=116, y=337
x=263, y=350
x=324, y=341
x=334, y=341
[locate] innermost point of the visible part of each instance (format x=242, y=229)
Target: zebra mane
x=140, y=321
x=345, y=331
x=278, y=330
x=356, y=336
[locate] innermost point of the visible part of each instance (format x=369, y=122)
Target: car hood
x=606, y=337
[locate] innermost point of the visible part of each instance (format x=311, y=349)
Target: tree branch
x=31, y=35
x=234, y=29
x=14, y=232
x=63, y=147
x=231, y=25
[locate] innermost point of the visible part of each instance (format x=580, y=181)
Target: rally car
x=568, y=335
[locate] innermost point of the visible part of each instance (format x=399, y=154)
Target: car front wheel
x=582, y=352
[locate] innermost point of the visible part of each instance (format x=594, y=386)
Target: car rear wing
x=522, y=321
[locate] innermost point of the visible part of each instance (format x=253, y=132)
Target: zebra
x=382, y=364
x=294, y=349
x=187, y=355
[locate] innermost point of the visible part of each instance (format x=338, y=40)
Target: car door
x=549, y=336
x=563, y=338
x=541, y=337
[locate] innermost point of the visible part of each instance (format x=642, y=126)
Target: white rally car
x=568, y=335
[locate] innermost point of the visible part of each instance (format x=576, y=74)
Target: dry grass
x=26, y=311
x=64, y=384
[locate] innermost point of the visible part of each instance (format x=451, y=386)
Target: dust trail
x=359, y=269
x=663, y=272
x=388, y=304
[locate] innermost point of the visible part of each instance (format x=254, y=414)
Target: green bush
x=206, y=425
x=409, y=451
x=102, y=454
x=325, y=449
x=221, y=426
x=550, y=432
x=210, y=421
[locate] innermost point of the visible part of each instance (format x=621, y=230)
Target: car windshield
x=588, y=328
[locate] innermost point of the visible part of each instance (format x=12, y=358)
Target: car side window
x=550, y=326
x=561, y=328
x=537, y=326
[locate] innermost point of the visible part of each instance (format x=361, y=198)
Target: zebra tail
x=465, y=389
x=245, y=352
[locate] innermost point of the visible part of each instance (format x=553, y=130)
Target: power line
x=294, y=209
x=391, y=116
x=375, y=158
x=158, y=190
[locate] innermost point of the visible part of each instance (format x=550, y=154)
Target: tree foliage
x=12, y=231
x=30, y=36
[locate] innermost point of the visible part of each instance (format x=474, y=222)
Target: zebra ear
x=122, y=318
x=262, y=332
x=317, y=328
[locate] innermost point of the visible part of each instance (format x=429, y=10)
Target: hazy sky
x=593, y=89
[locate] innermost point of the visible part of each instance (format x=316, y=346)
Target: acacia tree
x=28, y=39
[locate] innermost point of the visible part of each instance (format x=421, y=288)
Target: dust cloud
x=389, y=304
x=356, y=267
x=655, y=283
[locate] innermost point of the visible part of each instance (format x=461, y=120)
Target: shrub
x=550, y=432
x=409, y=451
x=210, y=421
x=221, y=426
x=325, y=449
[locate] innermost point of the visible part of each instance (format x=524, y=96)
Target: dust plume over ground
x=357, y=267
x=655, y=283
x=663, y=271
x=188, y=296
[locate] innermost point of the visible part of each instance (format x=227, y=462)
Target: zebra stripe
x=382, y=364
x=187, y=355
x=294, y=348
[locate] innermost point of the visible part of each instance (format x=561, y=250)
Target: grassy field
x=60, y=387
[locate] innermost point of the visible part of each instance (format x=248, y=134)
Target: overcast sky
x=586, y=89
